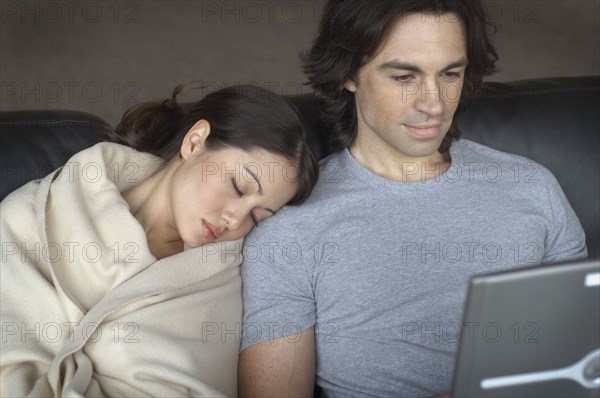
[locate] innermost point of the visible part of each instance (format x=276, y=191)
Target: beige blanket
x=87, y=310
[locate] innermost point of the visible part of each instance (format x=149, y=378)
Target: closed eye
x=240, y=194
x=235, y=187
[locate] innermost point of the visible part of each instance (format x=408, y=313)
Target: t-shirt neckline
x=371, y=178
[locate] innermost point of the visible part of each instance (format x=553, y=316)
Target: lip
x=209, y=232
x=426, y=131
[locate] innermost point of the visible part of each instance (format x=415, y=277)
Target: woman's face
x=221, y=195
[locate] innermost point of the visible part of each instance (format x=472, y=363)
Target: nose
x=234, y=216
x=430, y=100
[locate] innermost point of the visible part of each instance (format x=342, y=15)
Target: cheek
x=374, y=109
x=288, y=190
x=450, y=94
x=387, y=101
x=238, y=233
x=385, y=113
x=211, y=191
x=195, y=201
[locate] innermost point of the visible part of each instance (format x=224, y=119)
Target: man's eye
x=402, y=78
x=452, y=75
x=235, y=187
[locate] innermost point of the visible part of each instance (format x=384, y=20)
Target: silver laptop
x=532, y=332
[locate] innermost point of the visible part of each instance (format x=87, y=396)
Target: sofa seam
x=512, y=94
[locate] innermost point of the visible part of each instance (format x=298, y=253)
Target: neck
x=149, y=203
x=393, y=165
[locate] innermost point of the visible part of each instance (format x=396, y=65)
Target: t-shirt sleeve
x=277, y=289
x=565, y=239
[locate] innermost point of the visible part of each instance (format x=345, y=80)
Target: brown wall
x=103, y=56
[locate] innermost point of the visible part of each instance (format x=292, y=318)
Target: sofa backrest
x=555, y=122
x=35, y=143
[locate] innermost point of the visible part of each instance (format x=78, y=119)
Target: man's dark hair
x=350, y=34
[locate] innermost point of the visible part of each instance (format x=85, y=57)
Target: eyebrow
x=395, y=64
x=260, y=191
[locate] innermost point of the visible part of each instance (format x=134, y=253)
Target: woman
x=120, y=272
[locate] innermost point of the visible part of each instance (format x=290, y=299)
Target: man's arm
x=284, y=367
x=566, y=237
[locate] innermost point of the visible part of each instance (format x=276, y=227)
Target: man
x=363, y=285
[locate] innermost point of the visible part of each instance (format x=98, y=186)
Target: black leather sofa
x=555, y=122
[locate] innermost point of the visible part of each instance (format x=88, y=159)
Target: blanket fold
x=87, y=310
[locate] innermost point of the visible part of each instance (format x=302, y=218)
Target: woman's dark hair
x=243, y=116
x=350, y=34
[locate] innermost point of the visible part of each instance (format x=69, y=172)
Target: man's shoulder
x=473, y=151
x=509, y=165
x=334, y=176
x=316, y=212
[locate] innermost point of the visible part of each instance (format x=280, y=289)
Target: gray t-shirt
x=380, y=268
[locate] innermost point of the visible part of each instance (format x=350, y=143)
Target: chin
x=193, y=243
x=420, y=151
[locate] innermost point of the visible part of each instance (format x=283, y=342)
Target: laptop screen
x=532, y=332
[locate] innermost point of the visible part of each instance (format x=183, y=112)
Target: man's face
x=407, y=94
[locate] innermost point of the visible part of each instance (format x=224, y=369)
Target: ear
x=195, y=139
x=350, y=85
